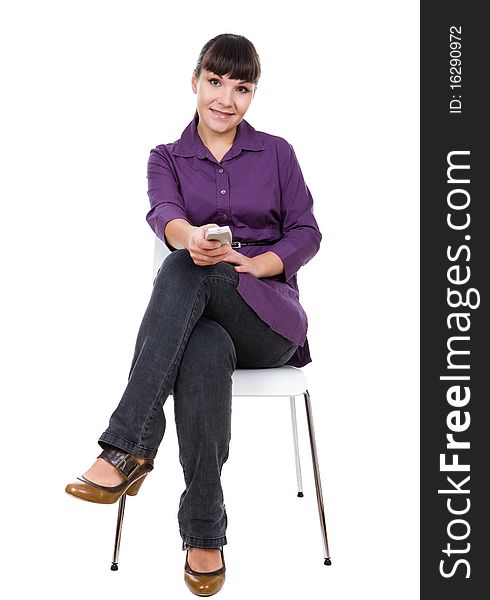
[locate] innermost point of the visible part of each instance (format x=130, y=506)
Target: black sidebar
x=455, y=270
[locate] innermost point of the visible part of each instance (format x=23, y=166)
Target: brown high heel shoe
x=132, y=471
x=204, y=584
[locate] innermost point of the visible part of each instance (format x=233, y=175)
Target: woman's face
x=221, y=102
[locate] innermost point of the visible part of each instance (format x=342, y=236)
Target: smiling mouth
x=221, y=114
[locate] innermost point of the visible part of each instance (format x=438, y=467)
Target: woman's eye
x=216, y=82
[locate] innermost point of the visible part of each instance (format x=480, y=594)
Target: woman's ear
x=194, y=83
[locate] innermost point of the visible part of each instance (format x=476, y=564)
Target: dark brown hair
x=232, y=55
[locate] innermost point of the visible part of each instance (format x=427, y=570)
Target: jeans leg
x=202, y=398
x=180, y=293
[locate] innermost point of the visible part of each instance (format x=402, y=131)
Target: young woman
x=213, y=308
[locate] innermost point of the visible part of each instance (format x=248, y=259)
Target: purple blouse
x=259, y=191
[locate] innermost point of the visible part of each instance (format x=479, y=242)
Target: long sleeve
x=163, y=191
x=301, y=236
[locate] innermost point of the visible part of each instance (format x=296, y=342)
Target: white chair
x=287, y=382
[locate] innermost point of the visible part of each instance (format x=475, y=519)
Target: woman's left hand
x=244, y=264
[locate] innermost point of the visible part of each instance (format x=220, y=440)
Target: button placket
x=222, y=194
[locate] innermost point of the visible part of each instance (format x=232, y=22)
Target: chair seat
x=279, y=381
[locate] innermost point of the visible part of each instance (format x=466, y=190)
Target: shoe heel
x=135, y=488
x=131, y=491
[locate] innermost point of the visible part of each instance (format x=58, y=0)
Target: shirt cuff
x=160, y=215
x=294, y=252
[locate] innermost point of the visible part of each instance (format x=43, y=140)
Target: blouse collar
x=190, y=143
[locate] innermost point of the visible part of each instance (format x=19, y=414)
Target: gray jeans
x=196, y=331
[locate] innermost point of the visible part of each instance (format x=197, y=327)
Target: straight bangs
x=234, y=56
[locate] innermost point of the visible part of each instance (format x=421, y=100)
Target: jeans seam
x=158, y=396
x=198, y=538
x=155, y=402
x=142, y=446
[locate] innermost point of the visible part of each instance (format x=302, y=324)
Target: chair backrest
x=161, y=252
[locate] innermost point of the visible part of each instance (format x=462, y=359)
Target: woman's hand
x=245, y=264
x=206, y=252
x=209, y=252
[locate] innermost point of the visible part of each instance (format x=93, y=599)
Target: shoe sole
x=104, y=496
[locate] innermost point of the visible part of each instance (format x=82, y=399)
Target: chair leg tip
x=327, y=561
x=300, y=494
x=114, y=567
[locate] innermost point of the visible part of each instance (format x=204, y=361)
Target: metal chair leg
x=294, y=423
x=117, y=543
x=316, y=472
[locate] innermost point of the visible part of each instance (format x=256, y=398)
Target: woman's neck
x=212, y=139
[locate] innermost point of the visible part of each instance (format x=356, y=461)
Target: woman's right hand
x=206, y=252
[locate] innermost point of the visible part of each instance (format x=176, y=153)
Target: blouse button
x=220, y=170
x=223, y=191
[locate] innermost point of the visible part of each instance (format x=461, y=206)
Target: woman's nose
x=225, y=97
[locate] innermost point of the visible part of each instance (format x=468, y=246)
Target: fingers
x=210, y=257
x=199, y=242
x=207, y=244
x=207, y=252
x=197, y=238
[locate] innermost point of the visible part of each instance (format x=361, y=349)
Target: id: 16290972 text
x=455, y=69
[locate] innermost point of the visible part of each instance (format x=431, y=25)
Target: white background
x=87, y=90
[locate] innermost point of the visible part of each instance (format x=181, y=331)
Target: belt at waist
x=257, y=243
